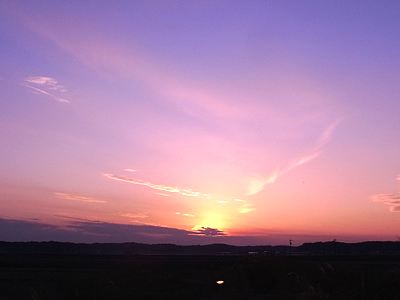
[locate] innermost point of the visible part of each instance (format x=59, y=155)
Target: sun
x=212, y=220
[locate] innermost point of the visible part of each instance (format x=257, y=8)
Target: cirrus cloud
x=185, y=215
x=246, y=208
x=393, y=200
x=77, y=198
x=134, y=216
x=182, y=191
x=258, y=182
x=48, y=82
x=46, y=86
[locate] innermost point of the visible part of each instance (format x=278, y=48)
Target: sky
x=198, y=122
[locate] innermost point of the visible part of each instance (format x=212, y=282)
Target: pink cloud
x=92, y=49
x=77, y=198
x=246, y=208
x=258, y=183
x=185, y=215
x=59, y=99
x=134, y=216
x=240, y=200
x=193, y=97
x=39, y=84
x=47, y=82
x=182, y=191
x=393, y=200
x=163, y=194
x=303, y=160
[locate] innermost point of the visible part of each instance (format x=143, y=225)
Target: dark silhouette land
x=329, y=270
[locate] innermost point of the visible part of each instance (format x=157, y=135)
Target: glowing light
x=212, y=220
x=220, y=282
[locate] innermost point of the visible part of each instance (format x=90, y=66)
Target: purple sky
x=192, y=122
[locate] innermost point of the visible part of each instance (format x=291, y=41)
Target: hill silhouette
x=322, y=270
x=318, y=248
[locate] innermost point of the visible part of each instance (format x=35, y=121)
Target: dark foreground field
x=195, y=277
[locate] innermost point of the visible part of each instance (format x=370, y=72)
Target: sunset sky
x=197, y=122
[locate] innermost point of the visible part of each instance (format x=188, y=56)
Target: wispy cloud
x=182, y=191
x=223, y=201
x=185, y=215
x=257, y=183
x=68, y=217
x=130, y=170
x=48, y=82
x=246, y=208
x=240, y=200
x=201, y=230
x=133, y=64
x=134, y=216
x=136, y=64
x=59, y=99
x=77, y=198
x=317, y=150
x=163, y=194
x=40, y=84
x=302, y=160
x=393, y=200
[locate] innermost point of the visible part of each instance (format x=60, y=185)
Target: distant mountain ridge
x=131, y=248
